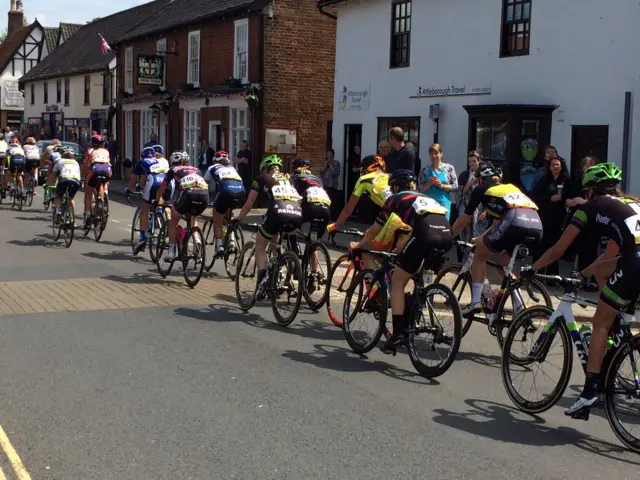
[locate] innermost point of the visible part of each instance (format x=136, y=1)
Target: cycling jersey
x=67, y=169
x=310, y=189
x=375, y=185
x=284, y=212
x=3, y=148
x=498, y=198
x=278, y=189
x=225, y=178
x=155, y=171
x=187, y=178
x=99, y=155
x=31, y=152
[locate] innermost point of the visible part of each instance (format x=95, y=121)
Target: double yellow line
x=13, y=457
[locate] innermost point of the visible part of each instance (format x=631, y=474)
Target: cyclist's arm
x=555, y=252
x=608, y=257
x=248, y=205
x=370, y=235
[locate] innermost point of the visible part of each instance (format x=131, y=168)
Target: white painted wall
x=10, y=76
x=582, y=58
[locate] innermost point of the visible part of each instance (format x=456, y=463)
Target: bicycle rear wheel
x=98, y=220
x=68, y=224
x=30, y=192
x=193, y=250
x=288, y=283
x=365, y=295
x=246, y=280
x=155, y=233
x=232, y=256
x=210, y=242
x=316, y=286
x=164, y=268
x=460, y=285
x=135, y=231
x=57, y=229
x=342, y=274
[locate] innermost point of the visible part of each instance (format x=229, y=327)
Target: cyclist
x=373, y=184
x=32, y=159
x=192, y=198
x=150, y=172
x=515, y=220
x=159, y=154
x=48, y=160
x=176, y=159
x=230, y=194
x=426, y=220
x=611, y=214
x=3, y=155
x=16, y=161
x=97, y=165
x=284, y=210
x=67, y=172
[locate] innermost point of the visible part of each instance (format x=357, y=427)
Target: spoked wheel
x=622, y=394
x=30, y=193
x=57, y=229
x=135, y=231
x=99, y=220
x=342, y=275
x=534, y=345
x=46, y=203
x=233, y=244
x=434, y=339
x=164, y=268
x=316, y=270
x=286, y=288
x=365, y=298
x=246, y=277
x=193, y=257
x=210, y=242
x=68, y=225
x=460, y=285
x=154, y=236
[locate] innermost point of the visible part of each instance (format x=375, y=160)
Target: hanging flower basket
x=252, y=101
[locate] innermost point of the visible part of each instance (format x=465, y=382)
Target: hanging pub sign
x=150, y=70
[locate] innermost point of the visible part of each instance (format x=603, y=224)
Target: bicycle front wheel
x=233, y=245
x=433, y=343
x=316, y=268
x=68, y=225
x=342, y=274
x=460, y=285
x=286, y=284
x=246, y=277
x=135, y=231
x=193, y=253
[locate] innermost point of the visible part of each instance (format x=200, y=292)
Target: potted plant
x=252, y=100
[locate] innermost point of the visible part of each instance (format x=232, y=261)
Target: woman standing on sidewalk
x=439, y=180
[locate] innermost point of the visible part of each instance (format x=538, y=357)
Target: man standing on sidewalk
x=402, y=158
x=243, y=164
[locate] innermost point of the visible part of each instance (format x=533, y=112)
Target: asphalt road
x=110, y=372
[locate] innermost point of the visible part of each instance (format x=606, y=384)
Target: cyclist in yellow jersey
x=517, y=222
x=373, y=185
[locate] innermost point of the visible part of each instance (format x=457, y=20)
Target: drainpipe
x=327, y=14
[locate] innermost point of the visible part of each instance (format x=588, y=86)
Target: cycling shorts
x=99, y=170
x=285, y=216
x=430, y=232
x=67, y=184
x=318, y=215
x=517, y=226
x=622, y=288
x=228, y=200
x=16, y=165
x=151, y=187
x=31, y=165
x=193, y=201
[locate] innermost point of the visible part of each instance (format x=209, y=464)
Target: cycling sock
x=476, y=292
x=398, y=325
x=261, y=274
x=219, y=243
x=143, y=235
x=591, y=384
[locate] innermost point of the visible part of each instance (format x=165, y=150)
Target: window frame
x=148, y=124
x=128, y=141
x=192, y=134
x=32, y=91
x=58, y=91
x=235, y=130
x=237, y=43
x=67, y=91
x=128, y=70
x=45, y=92
x=190, y=76
x=393, y=34
x=161, y=50
x=106, y=88
x=505, y=26
x=389, y=122
x=87, y=90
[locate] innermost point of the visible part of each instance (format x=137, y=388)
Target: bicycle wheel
x=210, y=242
x=365, y=295
x=461, y=287
x=154, y=236
x=438, y=299
x=193, y=250
x=246, y=277
x=164, y=268
x=531, y=295
x=531, y=325
x=232, y=255
x=627, y=390
x=342, y=274
x=68, y=224
x=98, y=220
x=135, y=231
x=30, y=192
x=316, y=286
x=288, y=283
x=57, y=229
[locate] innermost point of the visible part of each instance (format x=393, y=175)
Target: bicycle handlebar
x=354, y=232
x=465, y=244
x=567, y=282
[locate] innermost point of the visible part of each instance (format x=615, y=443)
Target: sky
x=51, y=13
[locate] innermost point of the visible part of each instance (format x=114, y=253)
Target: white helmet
x=179, y=157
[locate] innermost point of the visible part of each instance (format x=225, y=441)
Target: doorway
x=352, y=137
x=216, y=139
x=588, y=140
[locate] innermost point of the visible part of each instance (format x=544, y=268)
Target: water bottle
x=488, y=294
x=585, y=333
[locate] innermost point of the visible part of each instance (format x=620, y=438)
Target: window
x=192, y=134
x=58, y=91
x=161, y=48
x=241, y=50
x=240, y=129
x=106, y=88
x=148, y=126
x=193, y=65
x=67, y=88
x=128, y=132
x=45, y=93
x=400, y=33
x=491, y=139
x=87, y=89
x=516, y=26
x=32, y=87
x=409, y=125
x=128, y=70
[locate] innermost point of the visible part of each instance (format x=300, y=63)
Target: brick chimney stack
x=16, y=17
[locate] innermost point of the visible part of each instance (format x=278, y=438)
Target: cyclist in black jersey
x=427, y=220
x=608, y=213
x=284, y=211
x=515, y=221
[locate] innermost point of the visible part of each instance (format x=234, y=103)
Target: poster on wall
x=354, y=97
x=528, y=172
x=280, y=141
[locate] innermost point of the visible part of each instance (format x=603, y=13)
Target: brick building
x=185, y=72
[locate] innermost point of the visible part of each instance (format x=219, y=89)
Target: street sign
x=150, y=70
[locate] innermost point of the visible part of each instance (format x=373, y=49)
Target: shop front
x=34, y=127
x=76, y=130
x=99, y=120
x=52, y=122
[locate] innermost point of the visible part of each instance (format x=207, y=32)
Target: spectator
x=439, y=180
x=384, y=149
x=354, y=167
x=330, y=175
x=467, y=182
x=418, y=163
x=401, y=158
x=113, y=148
x=243, y=164
x=152, y=141
x=549, y=152
x=547, y=193
x=8, y=134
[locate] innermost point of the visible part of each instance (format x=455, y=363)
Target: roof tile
x=51, y=38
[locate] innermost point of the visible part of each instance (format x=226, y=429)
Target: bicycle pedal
x=580, y=414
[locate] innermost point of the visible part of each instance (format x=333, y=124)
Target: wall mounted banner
x=451, y=91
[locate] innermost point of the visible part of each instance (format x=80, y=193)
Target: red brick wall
x=299, y=73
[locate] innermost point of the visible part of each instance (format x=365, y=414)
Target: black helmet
x=487, y=170
x=402, y=179
x=300, y=163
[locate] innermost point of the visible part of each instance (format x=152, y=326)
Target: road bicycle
x=158, y=216
x=15, y=192
x=3, y=192
x=67, y=220
x=543, y=325
x=510, y=290
x=284, y=275
x=31, y=189
x=189, y=248
x=371, y=291
x=232, y=240
x=99, y=214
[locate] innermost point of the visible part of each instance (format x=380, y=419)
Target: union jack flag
x=106, y=49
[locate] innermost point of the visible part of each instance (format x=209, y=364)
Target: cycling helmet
x=97, y=140
x=55, y=141
x=14, y=141
x=402, y=179
x=372, y=163
x=603, y=172
x=300, y=163
x=66, y=152
x=176, y=158
x=221, y=157
x=148, y=152
x=30, y=141
x=159, y=149
x=487, y=170
x=271, y=161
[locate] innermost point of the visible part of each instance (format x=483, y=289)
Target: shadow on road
x=303, y=328
x=492, y=361
x=89, y=239
x=216, y=313
x=145, y=278
x=507, y=424
x=332, y=357
x=46, y=241
x=40, y=218
x=117, y=255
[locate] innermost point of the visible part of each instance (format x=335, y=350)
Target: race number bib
x=519, y=200
x=157, y=168
x=70, y=171
x=317, y=195
x=193, y=181
x=633, y=222
x=228, y=173
x=285, y=192
x=423, y=205
x=100, y=156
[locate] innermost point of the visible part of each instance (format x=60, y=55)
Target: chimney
x=16, y=17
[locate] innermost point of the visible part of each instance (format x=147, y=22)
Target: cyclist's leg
x=268, y=231
x=88, y=192
x=219, y=210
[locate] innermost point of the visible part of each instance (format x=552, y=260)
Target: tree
x=3, y=34
x=94, y=19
